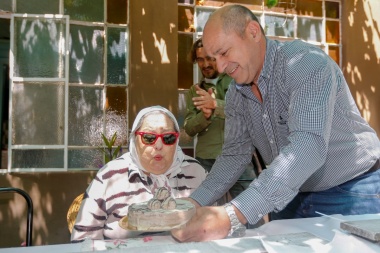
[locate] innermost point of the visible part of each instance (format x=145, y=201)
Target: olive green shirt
x=210, y=131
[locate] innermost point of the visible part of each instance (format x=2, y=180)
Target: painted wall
x=153, y=55
x=52, y=195
x=361, y=56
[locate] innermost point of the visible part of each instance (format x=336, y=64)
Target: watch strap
x=237, y=228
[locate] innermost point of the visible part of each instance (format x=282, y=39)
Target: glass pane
x=6, y=5
x=335, y=54
x=279, y=26
x=332, y=10
x=85, y=158
x=85, y=10
x=186, y=1
x=117, y=11
x=332, y=32
x=185, y=66
x=39, y=47
x=86, y=54
x=185, y=19
x=116, y=99
x=85, y=116
x=116, y=114
x=310, y=29
x=5, y=25
x=38, y=113
x=116, y=56
x=37, y=7
x=185, y=141
x=202, y=15
x=37, y=158
x=309, y=8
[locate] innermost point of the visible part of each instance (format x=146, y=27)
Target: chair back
x=73, y=211
x=29, y=228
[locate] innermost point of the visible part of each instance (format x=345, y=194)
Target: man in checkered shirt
x=290, y=101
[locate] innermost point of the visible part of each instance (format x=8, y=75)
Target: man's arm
x=236, y=155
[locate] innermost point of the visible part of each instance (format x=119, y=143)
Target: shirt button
x=271, y=141
x=260, y=215
x=265, y=116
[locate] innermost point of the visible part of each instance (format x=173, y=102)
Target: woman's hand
x=208, y=223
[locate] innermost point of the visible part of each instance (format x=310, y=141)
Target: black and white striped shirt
x=308, y=130
x=118, y=185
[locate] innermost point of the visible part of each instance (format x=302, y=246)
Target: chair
x=29, y=228
x=73, y=212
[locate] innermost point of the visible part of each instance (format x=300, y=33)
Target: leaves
x=271, y=3
x=109, y=152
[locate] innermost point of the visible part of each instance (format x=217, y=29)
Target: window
x=69, y=82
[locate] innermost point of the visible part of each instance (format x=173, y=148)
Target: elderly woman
x=154, y=160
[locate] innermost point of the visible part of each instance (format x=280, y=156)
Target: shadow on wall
x=52, y=194
x=154, y=47
x=361, y=51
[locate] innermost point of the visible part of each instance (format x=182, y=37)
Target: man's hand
x=195, y=203
x=208, y=223
x=205, y=102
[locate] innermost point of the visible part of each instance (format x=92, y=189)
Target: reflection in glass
x=37, y=7
x=310, y=29
x=85, y=10
x=38, y=158
x=38, y=113
x=202, y=15
x=332, y=9
x=39, y=47
x=85, y=158
x=116, y=56
x=116, y=114
x=117, y=11
x=86, y=54
x=332, y=31
x=185, y=19
x=334, y=53
x=311, y=8
x=279, y=26
x=6, y=5
x=85, y=116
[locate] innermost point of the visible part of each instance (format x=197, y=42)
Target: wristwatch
x=237, y=228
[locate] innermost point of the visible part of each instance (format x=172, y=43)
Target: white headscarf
x=161, y=180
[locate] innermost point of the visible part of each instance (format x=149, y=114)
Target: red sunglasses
x=151, y=138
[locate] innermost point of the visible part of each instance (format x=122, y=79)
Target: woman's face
x=156, y=158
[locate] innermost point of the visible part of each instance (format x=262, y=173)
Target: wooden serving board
x=369, y=229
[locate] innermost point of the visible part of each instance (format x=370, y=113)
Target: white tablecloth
x=320, y=234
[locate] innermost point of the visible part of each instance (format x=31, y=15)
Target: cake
x=160, y=213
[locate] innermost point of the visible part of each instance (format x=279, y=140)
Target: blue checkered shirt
x=308, y=130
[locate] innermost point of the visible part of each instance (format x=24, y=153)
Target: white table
x=322, y=227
